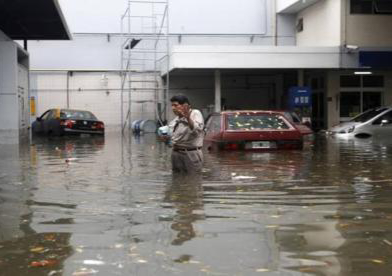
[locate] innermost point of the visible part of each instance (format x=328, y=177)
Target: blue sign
x=373, y=59
x=300, y=96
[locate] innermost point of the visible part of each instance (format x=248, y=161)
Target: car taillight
x=67, y=123
x=231, y=146
x=99, y=125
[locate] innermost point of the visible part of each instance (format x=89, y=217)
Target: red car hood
x=261, y=135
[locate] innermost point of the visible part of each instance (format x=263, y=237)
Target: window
x=383, y=6
x=371, y=99
x=213, y=124
x=373, y=81
x=77, y=114
x=300, y=25
x=384, y=119
x=45, y=115
x=255, y=122
x=52, y=114
x=350, y=104
x=367, y=115
x=360, y=93
x=370, y=6
x=350, y=81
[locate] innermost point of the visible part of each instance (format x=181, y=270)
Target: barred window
x=370, y=6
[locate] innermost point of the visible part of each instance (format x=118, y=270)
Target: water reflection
x=185, y=194
x=112, y=207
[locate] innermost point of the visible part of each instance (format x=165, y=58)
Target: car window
x=367, y=115
x=296, y=118
x=214, y=124
x=45, y=115
x=255, y=122
x=77, y=114
x=387, y=116
x=52, y=114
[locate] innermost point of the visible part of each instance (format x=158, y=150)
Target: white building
x=227, y=53
x=22, y=20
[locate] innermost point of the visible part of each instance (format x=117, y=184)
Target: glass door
x=350, y=105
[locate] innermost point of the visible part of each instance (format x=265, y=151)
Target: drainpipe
x=275, y=28
x=68, y=74
x=217, y=90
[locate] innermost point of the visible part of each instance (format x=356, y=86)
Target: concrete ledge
x=254, y=57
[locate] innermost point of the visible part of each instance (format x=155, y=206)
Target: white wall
x=88, y=91
x=369, y=30
x=218, y=16
x=321, y=24
x=286, y=29
x=84, y=52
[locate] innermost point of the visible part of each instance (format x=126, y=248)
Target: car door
x=213, y=131
x=382, y=126
x=49, y=122
x=38, y=125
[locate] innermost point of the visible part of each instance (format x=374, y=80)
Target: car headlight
x=351, y=129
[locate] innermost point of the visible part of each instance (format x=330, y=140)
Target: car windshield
x=292, y=116
x=255, y=122
x=367, y=115
x=77, y=115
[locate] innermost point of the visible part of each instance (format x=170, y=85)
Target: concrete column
x=332, y=101
x=9, y=105
x=217, y=91
x=301, y=77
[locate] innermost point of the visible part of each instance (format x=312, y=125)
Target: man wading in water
x=187, y=136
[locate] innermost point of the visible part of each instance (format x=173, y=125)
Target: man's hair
x=181, y=99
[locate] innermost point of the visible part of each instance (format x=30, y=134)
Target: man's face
x=179, y=109
x=176, y=107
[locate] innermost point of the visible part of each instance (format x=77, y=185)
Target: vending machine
x=300, y=101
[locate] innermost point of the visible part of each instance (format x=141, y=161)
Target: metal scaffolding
x=144, y=56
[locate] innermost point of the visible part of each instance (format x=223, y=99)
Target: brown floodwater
x=91, y=206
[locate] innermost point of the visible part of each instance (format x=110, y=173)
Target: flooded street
x=88, y=206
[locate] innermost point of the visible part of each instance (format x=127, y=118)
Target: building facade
x=226, y=55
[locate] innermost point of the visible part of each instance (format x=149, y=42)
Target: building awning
x=253, y=57
x=33, y=20
x=293, y=6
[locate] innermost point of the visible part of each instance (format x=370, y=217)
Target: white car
x=375, y=122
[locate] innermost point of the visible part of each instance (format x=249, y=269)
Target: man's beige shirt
x=183, y=136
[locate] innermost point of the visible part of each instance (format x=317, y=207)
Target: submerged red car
x=251, y=130
x=61, y=122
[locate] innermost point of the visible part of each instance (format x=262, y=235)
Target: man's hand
x=164, y=138
x=184, y=110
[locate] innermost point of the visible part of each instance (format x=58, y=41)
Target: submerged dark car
x=251, y=130
x=59, y=122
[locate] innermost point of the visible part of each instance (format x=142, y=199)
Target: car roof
x=248, y=111
x=73, y=110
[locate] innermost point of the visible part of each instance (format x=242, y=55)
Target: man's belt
x=186, y=149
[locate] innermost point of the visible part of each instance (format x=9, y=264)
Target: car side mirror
x=39, y=119
x=384, y=122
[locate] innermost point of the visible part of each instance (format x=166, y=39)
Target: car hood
x=343, y=127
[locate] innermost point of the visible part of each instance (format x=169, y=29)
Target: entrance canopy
x=254, y=57
x=33, y=20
